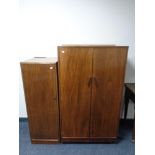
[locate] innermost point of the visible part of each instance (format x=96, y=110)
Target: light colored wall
x=46, y=24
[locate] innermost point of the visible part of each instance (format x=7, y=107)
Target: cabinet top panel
x=40, y=60
x=90, y=45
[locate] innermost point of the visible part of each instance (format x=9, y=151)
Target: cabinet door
x=40, y=85
x=108, y=78
x=75, y=70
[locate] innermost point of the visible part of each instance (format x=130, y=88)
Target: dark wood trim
x=89, y=140
x=44, y=141
x=59, y=96
x=103, y=139
x=75, y=139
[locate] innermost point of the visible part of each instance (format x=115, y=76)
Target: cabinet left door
x=41, y=95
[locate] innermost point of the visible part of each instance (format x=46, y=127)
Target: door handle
x=95, y=81
x=54, y=98
x=90, y=81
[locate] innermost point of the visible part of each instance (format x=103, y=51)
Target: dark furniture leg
x=129, y=95
x=126, y=104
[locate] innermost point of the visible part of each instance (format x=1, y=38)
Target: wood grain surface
x=90, y=85
x=108, y=78
x=75, y=70
x=41, y=95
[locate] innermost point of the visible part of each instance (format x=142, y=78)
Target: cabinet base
x=88, y=140
x=103, y=139
x=74, y=140
x=45, y=141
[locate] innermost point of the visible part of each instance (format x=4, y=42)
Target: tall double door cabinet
x=41, y=95
x=91, y=81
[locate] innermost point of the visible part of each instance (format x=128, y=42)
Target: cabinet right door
x=108, y=79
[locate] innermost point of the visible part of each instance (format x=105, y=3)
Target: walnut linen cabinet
x=41, y=95
x=91, y=81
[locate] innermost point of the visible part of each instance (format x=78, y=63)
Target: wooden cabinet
x=90, y=87
x=41, y=95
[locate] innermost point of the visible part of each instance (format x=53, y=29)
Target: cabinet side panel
x=108, y=79
x=40, y=87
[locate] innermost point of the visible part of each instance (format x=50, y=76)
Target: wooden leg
x=133, y=133
x=126, y=104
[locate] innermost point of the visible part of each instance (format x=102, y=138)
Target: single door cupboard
x=41, y=95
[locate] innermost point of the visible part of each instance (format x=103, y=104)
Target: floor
x=123, y=147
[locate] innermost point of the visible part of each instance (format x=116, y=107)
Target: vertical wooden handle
x=95, y=80
x=90, y=81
